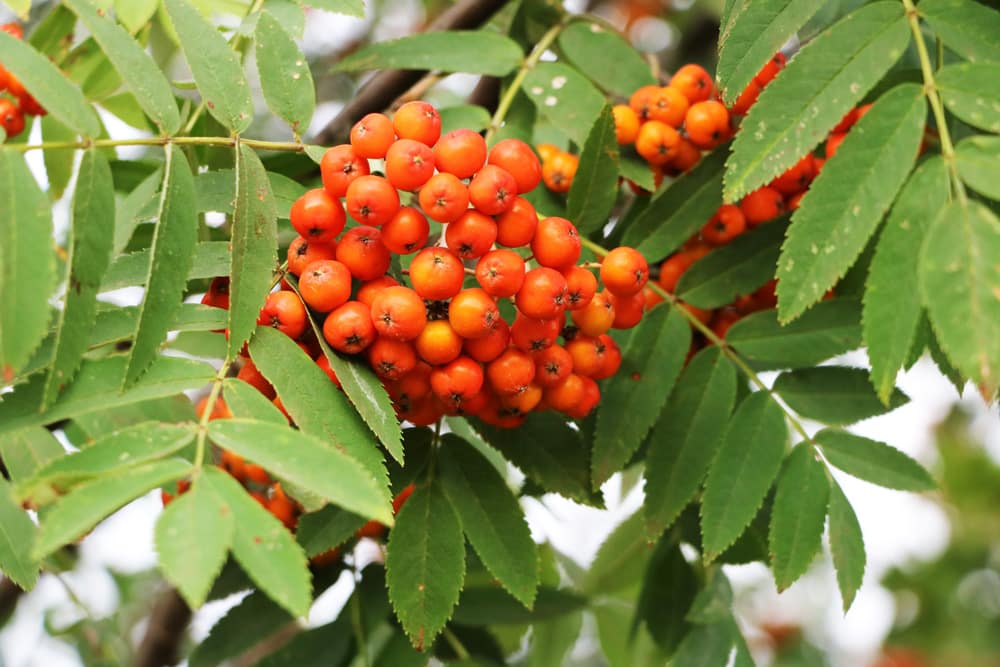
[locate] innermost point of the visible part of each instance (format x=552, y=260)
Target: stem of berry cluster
x=934, y=97
x=713, y=338
x=515, y=85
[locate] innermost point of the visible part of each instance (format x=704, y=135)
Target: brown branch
x=167, y=622
x=10, y=593
x=380, y=91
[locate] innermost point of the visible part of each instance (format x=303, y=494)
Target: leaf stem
x=287, y=146
x=455, y=643
x=356, y=622
x=206, y=415
x=934, y=97
x=503, y=107
x=713, y=338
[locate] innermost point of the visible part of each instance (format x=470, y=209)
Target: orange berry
x=517, y=158
x=552, y=365
x=283, y=311
x=511, y=372
x=361, y=250
x=559, y=171
x=253, y=377
x=339, y=167
x=444, y=198
x=317, y=216
x=833, y=143
x=460, y=152
x=11, y=118
x=399, y=313
x=516, y=227
x=500, y=273
x=581, y=285
x=672, y=269
x=473, y=313
x=391, y=359
x=771, y=69
x=532, y=335
x=587, y=354
x=349, y=328
x=669, y=106
x=761, y=205
x=723, y=319
x=436, y=273
x=302, y=252
x=547, y=151
x=493, y=190
x=707, y=124
x=233, y=464
x=543, y=294
x=686, y=156
x=624, y=271
x=626, y=123
x=726, y=224
x=457, y=381
x=370, y=289
x=797, y=178
x=565, y=395
x=490, y=346
x=591, y=397
x=693, y=82
x=419, y=121
x=325, y=284
x=612, y=358
x=438, y=343
x=641, y=101
x=471, y=235
x=556, y=243
x=523, y=401
x=372, y=135
x=371, y=200
x=597, y=317
x=657, y=142
x=747, y=99
x=406, y=232
x=628, y=310
x=324, y=365
x=409, y=164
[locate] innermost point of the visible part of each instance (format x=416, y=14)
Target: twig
x=167, y=622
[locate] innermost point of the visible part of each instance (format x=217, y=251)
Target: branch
x=380, y=91
x=10, y=593
x=167, y=622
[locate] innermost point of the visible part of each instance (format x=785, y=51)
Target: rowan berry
x=473, y=313
x=523, y=401
x=325, y=284
x=559, y=171
x=581, y=285
x=797, y=178
x=547, y=151
x=471, y=235
x=707, y=124
x=14, y=29
x=516, y=227
x=651, y=297
x=217, y=295
x=591, y=397
x=552, y=365
x=419, y=121
x=457, y=381
x=693, y=82
x=436, y=273
x=792, y=203
x=587, y=354
x=250, y=374
x=532, y=335
x=543, y=294
x=284, y=312
x=11, y=118
x=517, y=159
x=282, y=507
x=641, y=100
x=490, y=346
x=349, y=328
x=597, y=317
x=438, y=343
x=324, y=365
x=317, y=216
x=257, y=474
x=832, y=144
x=30, y=106
x=444, y=198
x=233, y=463
x=669, y=106
x=372, y=200
x=628, y=310
x=766, y=295
x=460, y=152
x=406, y=232
x=747, y=99
x=771, y=69
x=565, y=395
x=391, y=359
x=372, y=135
x=361, y=250
x=761, y=205
x=626, y=124
x=657, y=142
x=369, y=289
x=409, y=164
x=624, y=271
x=672, y=269
x=723, y=319
x=500, y=273
x=511, y=372
x=339, y=166
x=556, y=243
x=413, y=386
x=493, y=190
x=686, y=156
x=424, y=412
x=303, y=252
x=399, y=313
x=725, y=224
x=612, y=358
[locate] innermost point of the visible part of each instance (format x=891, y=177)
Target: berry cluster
x=19, y=103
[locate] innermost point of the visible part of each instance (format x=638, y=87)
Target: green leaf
x=960, y=284
x=25, y=451
x=208, y=259
x=742, y=472
x=425, y=565
x=113, y=453
x=833, y=394
x=706, y=646
x=604, y=56
x=127, y=211
x=254, y=252
x=173, y=244
x=966, y=27
x=668, y=590
x=978, y=162
x=633, y=168
x=552, y=640
x=847, y=545
x=98, y=387
x=87, y=429
x=869, y=168
x=464, y=116
x=17, y=534
x=49, y=86
x=686, y=437
x=494, y=606
x=27, y=264
x=752, y=37
x=77, y=512
x=832, y=327
x=873, y=461
x=739, y=267
x=469, y=51
x=216, y=69
x=306, y=461
x=548, y=451
x=620, y=560
x=631, y=400
x=346, y=7
x=89, y=256
x=193, y=536
x=285, y=78
x=57, y=167
x=892, y=312
x=262, y=545
x=137, y=68
x=971, y=92
x=595, y=186
x=329, y=644
x=491, y=518
x=244, y=626
x=679, y=209
x=314, y=402
x=614, y=618
x=245, y=401
x=714, y=601
x=326, y=528
x=799, y=515
x=217, y=191
x=565, y=97
x=135, y=14
x=824, y=81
